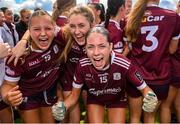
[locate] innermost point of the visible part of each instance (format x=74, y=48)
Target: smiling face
x=79, y=26
x=41, y=31
x=9, y=16
x=98, y=50
x=2, y=19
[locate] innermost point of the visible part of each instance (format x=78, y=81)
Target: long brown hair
x=134, y=20
x=63, y=7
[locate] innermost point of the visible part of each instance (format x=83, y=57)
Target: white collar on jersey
x=34, y=50
x=112, y=56
x=117, y=24
x=148, y=5
x=61, y=16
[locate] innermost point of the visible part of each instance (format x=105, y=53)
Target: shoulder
x=120, y=60
x=84, y=61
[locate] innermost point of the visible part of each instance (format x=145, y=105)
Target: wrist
x=4, y=98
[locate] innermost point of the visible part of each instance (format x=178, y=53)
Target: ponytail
x=134, y=20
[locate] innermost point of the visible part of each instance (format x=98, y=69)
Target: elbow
x=172, y=51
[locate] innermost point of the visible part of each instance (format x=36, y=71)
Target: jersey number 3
x=150, y=37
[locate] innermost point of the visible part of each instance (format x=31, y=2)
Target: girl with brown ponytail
x=150, y=30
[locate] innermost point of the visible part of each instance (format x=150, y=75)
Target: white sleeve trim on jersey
x=118, y=50
x=11, y=79
x=112, y=56
x=176, y=37
x=77, y=85
x=142, y=86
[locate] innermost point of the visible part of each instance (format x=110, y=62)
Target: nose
x=43, y=32
x=96, y=51
x=76, y=30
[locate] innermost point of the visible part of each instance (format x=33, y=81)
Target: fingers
x=59, y=111
x=16, y=61
x=14, y=96
x=5, y=50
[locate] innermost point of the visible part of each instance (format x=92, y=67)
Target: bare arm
x=11, y=94
x=72, y=98
x=59, y=109
x=20, y=48
x=173, y=46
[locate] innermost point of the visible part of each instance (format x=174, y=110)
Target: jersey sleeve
x=176, y=34
x=12, y=73
x=135, y=77
x=78, y=77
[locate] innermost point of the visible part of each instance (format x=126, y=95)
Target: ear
x=111, y=46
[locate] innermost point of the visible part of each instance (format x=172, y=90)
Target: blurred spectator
x=128, y=6
x=9, y=32
x=22, y=25
x=99, y=12
x=16, y=18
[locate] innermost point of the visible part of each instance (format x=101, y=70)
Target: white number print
x=150, y=37
x=103, y=79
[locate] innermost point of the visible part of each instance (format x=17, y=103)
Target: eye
x=36, y=29
x=90, y=47
x=81, y=25
x=72, y=26
x=102, y=46
x=49, y=28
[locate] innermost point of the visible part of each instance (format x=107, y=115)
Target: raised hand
x=5, y=50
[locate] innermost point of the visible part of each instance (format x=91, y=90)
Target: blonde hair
x=84, y=11
x=134, y=20
x=178, y=7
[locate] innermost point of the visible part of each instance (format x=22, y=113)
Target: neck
x=116, y=18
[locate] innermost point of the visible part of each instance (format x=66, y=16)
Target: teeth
x=98, y=59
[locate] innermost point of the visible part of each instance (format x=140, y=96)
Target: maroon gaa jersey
x=39, y=71
x=61, y=21
x=151, y=50
x=110, y=83
x=116, y=35
x=74, y=55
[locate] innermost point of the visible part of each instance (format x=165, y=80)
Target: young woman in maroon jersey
x=81, y=19
x=173, y=98
x=104, y=74
x=150, y=29
x=31, y=85
x=114, y=14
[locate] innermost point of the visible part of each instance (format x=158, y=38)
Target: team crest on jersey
x=138, y=76
x=88, y=75
x=117, y=76
x=9, y=71
x=56, y=49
